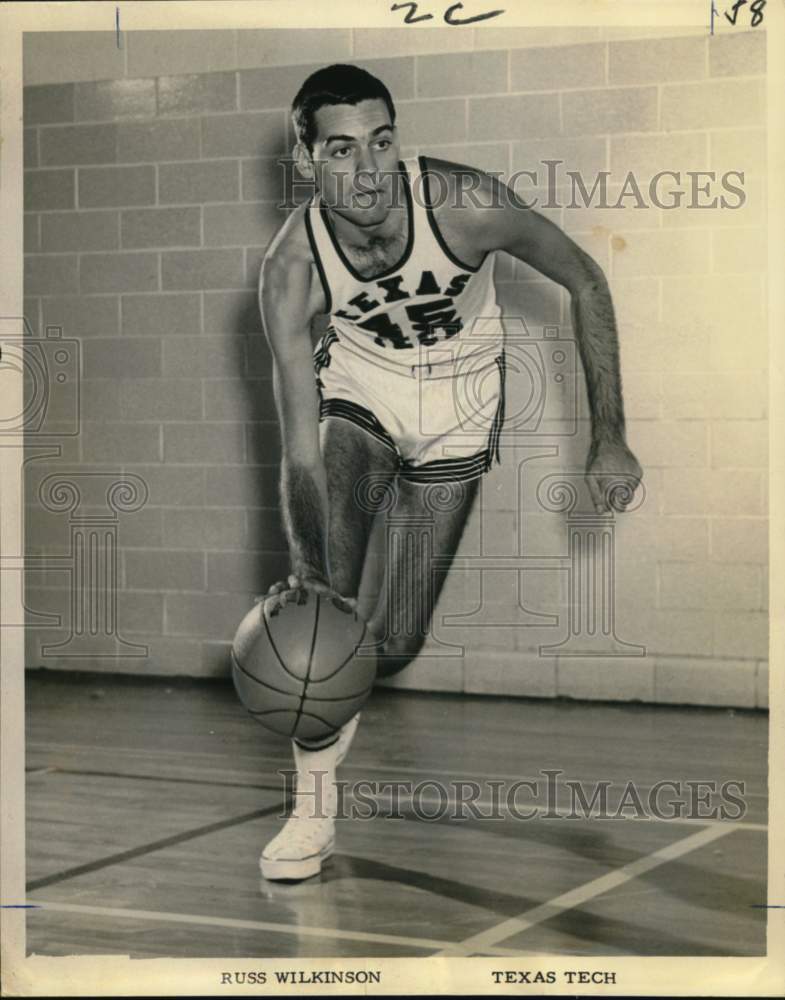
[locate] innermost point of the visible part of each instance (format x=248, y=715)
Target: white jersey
x=429, y=308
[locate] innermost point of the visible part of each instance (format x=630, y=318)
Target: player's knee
x=397, y=653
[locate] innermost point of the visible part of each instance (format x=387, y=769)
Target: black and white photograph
x=385, y=557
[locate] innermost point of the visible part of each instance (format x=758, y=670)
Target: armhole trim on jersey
x=434, y=227
x=317, y=259
x=409, y=242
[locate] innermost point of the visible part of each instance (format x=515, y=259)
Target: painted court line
x=422, y=944
x=583, y=893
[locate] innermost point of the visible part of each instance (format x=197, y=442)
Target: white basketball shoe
x=308, y=836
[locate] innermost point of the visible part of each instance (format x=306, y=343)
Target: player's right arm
x=288, y=300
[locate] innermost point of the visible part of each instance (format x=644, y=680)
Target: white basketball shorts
x=442, y=420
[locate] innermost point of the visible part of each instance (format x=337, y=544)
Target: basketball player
x=401, y=259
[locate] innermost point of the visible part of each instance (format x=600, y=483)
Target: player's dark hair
x=336, y=84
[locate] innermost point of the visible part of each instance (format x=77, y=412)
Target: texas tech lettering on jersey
x=431, y=320
x=429, y=296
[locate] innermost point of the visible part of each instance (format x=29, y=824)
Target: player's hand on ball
x=294, y=590
x=612, y=474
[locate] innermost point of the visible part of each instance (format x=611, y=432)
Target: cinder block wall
x=151, y=187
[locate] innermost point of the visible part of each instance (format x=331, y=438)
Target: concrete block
x=160, y=227
x=204, y=357
x=738, y=54
x=740, y=540
x=31, y=242
x=739, y=250
x=173, y=486
x=646, y=155
x=202, y=269
x=200, y=442
x=118, y=272
x=739, y=149
x=652, y=60
x=713, y=491
x=742, y=634
x=161, y=314
x=140, y=612
x=128, y=357
x=605, y=678
x=515, y=117
x=197, y=93
x=242, y=224
x=762, y=685
x=489, y=37
x=684, y=587
x=246, y=486
x=246, y=572
x=65, y=56
x=161, y=399
x=156, y=53
x=169, y=139
x=285, y=47
x=514, y=674
x=56, y=275
x=644, y=535
x=266, y=179
x=61, y=231
x=714, y=104
x=585, y=155
x=197, y=183
x=263, y=442
x=432, y=121
x=177, y=656
x=104, y=187
x=239, y=399
x=214, y=616
x=739, y=444
x=81, y=317
x=617, y=109
x=157, y=569
x=231, y=313
x=369, y=42
x=666, y=253
x=428, y=673
x=64, y=145
x=49, y=189
x=462, y=73
x=667, y=443
x=122, y=443
x=253, y=134
x=565, y=68
x=110, y=100
x=207, y=529
x=736, y=394
x=30, y=148
x=142, y=529
x=46, y=105
x=705, y=682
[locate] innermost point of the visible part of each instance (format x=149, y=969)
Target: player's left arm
x=504, y=222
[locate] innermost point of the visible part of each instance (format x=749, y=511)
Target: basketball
x=297, y=670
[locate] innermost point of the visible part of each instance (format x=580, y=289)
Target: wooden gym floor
x=148, y=802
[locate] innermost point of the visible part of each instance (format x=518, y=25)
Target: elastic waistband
x=448, y=367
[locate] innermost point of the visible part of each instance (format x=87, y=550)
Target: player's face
x=355, y=158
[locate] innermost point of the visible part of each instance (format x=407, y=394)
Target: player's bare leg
x=308, y=837
x=411, y=585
